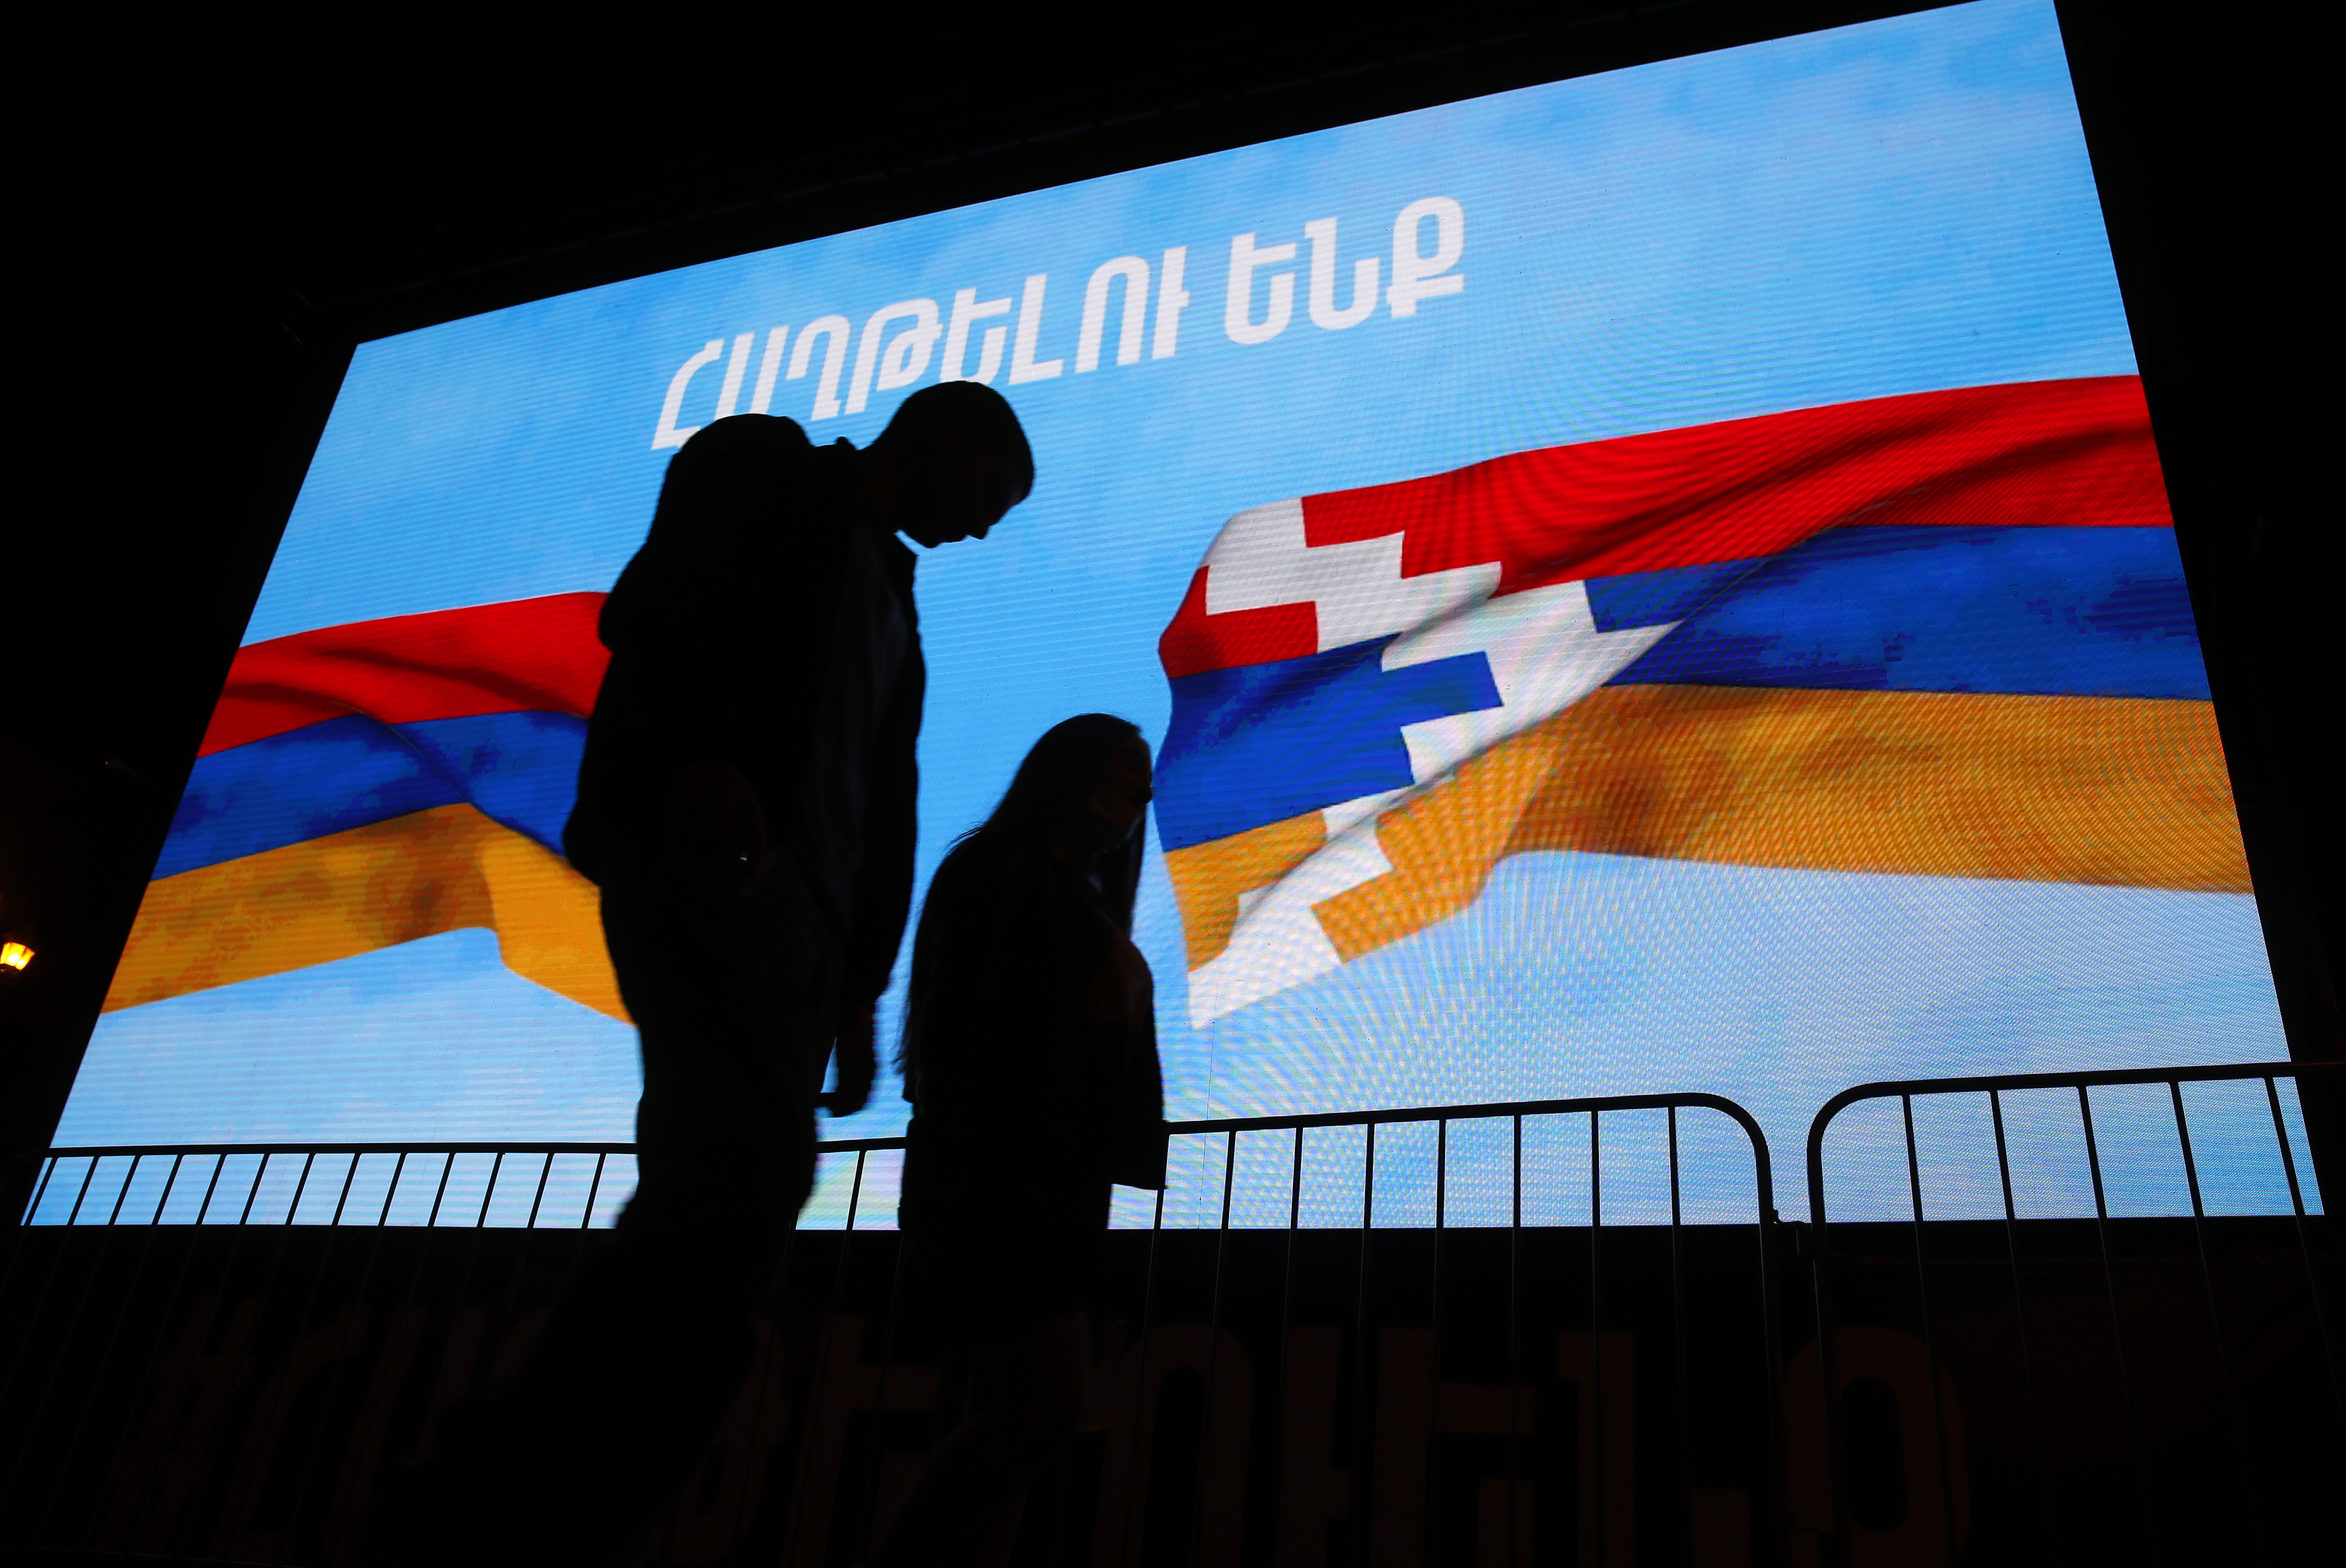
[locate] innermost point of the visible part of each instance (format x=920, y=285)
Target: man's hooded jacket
x=765, y=624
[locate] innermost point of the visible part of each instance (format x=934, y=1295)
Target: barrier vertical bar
x=2019, y=1302
x=213, y=1459
x=2110, y=1281
x=123, y=1313
x=40, y=1303
x=1286, y=1297
x=244, y=1217
x=1136, y=1496
x=415, y=1275
x=472, y=1258
x=1597, y=1324
x=586, y=1223
x=888, y=1343
x=48, y=1169
x=342, y=1358
x=511, y=1315
x=1363, y=1425
x=226, y=1526
x=594, y=1191
x=1771, y=1339
x=98, y=1265
x=113, y=1216
x=162, y=1324
x=2208, y=1278
x=1213, y=1355
x=1514, y=1342
x=1433, y=1334
x=317, y=1285
x=1677, y=1319
x=32, y=1208
x=49, y=1163
x=1837, y=1505
x=431, y=1223
x=1930, y=1339
x=2305, y=1251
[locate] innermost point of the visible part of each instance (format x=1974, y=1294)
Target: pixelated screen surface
x=1655, y=581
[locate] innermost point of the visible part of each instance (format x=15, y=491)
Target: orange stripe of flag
x=2108, y=792
x=370, y=887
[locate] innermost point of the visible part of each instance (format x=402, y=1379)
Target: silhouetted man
x=746, y=805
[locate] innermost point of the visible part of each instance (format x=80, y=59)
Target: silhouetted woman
x=1030, y=1058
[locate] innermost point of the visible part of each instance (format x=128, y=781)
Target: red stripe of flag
x=2075, y=452
x=522, y=656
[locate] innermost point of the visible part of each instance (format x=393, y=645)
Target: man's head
x=951, y=463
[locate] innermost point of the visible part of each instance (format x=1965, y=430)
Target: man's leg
x=728, y=1003
x=589, y=1444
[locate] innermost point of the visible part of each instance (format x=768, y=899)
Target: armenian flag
x=1944, y=634
x=366, y=785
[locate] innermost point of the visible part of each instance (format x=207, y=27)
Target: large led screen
x=1655, y=581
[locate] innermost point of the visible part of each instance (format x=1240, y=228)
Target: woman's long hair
x=1052, y=790
x=1050, y=793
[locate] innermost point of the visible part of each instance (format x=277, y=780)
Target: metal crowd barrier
x=1599, y=1532
x=2058, y=1483
x=332, y=1192
x=1263, y=1212
x=203, y=1167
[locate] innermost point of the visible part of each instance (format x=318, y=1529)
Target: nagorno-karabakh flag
x=371, y=784
x=1944, y=634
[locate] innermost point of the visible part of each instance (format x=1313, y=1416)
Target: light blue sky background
x=1892, y=207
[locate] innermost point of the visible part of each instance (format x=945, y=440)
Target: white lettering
x=1322, y=231
x=768, y=369
x=836, y=330
x=1170, y=300
x=1416, y=276
x=731, y=394
x=1237, y=305
x=895, y=347
x=669, y=432
x=894, y=373
x=907, y=354
x=1024, y=366
x=1135, y=273
x=989, y=355
x=967, y=311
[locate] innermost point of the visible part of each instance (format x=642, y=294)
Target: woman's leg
x=1032, y=1387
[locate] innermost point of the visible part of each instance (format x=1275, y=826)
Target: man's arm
x=857, y=1058
x=883, y=885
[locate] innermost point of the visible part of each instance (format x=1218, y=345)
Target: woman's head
x=1086, y=785
x=1078, y=800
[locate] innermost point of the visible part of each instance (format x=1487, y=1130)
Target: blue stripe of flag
x=1259, y=743
x=518, y=768
x=2065, y=612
